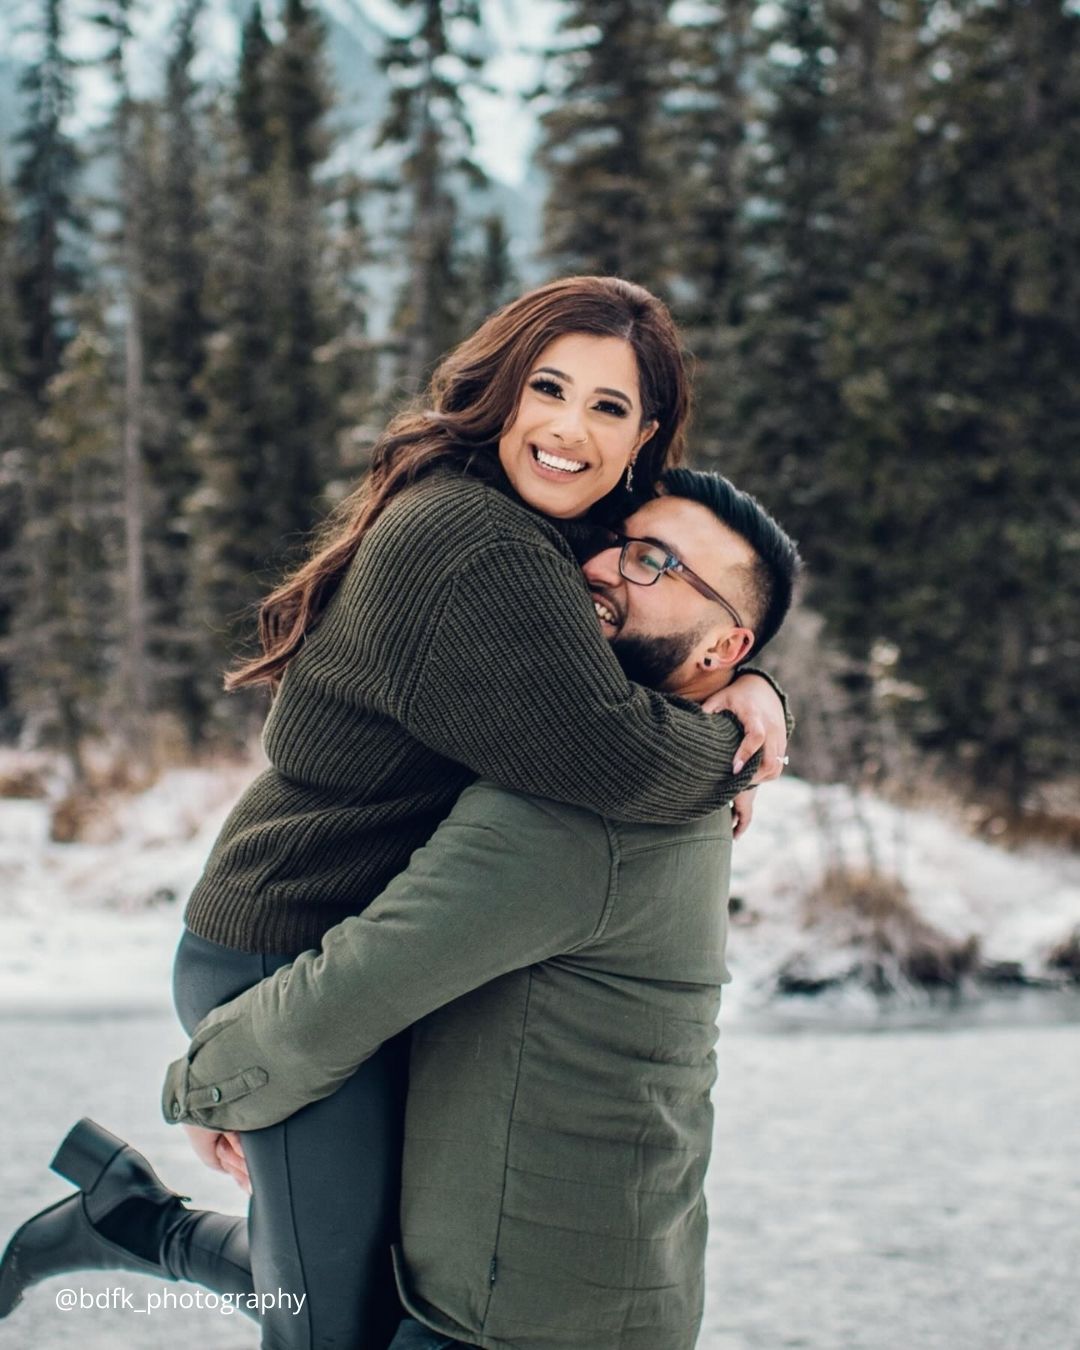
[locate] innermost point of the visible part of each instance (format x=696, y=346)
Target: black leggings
x=325, y=1185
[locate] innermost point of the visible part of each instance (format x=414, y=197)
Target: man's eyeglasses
x=645, y=561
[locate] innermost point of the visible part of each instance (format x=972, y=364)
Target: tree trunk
x=137, y=679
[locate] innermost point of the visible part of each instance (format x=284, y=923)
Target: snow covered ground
x=95, y=924
x=866, y=1192
x=1017, y=906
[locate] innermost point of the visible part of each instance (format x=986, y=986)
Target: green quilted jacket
x=564, y=972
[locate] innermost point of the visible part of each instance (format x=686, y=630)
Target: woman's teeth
x=550, y=461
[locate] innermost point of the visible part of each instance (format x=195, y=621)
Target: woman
x=440, y=630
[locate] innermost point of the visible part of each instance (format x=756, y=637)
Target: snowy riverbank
x=94, y=924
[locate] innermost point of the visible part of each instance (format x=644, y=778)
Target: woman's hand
x=743, y=809
x=757, y=706
x=221, y=1151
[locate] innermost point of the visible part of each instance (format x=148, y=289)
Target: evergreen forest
x=865, y=215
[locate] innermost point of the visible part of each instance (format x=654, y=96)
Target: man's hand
x=757, y=706
x=221, y=1151
x=743, y=809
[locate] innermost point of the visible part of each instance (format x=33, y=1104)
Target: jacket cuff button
x=216, y=1094
x=175, y=1108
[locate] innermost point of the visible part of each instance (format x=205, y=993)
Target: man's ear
x=731, y=647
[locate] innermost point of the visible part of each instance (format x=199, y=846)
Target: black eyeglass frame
x=673, y=564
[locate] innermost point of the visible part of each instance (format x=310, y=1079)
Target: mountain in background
x=355, y=39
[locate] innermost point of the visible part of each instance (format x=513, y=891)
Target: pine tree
x=11, y=337
x=281, y=296
x=169, y=408
x=349, y=358
x=233, y=514
x=429, y=69
x=784, y=408
x=66, y=627
x=50, y=221
x=120, y=144
x=609, y=179
x=704, y=128
x=15, y=432
x=251, y=98
x=958, y=358
x=492, y=279
x=43, y=264
x=173, y=250
x=304, y=426
x=177, y=350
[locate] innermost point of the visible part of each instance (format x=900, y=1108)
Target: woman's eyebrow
x=615, y=393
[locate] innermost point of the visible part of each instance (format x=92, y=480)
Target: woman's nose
x=569, y=426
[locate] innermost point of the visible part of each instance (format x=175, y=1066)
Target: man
x=564, y=974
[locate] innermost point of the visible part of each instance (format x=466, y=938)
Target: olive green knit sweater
x=462, y=641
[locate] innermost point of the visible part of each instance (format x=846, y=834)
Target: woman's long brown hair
x=472, y=398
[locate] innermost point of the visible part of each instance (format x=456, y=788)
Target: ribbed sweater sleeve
x=518, y=684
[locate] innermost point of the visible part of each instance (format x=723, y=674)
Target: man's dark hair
x=777, y=563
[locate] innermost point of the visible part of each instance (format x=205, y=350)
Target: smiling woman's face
x=577, y=425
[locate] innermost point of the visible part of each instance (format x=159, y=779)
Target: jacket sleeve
x=471, y=906
x=518, y=683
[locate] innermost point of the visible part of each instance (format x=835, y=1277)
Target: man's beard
x=652, y=660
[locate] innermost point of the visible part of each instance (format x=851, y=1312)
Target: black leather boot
x=122, y=1218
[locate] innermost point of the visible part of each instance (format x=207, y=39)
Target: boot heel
x=85, y=1154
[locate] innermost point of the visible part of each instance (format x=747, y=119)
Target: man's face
x=661, y=633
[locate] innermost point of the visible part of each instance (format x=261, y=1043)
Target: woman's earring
x=630, y=476
x=706, y=661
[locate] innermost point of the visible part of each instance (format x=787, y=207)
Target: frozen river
x=869, y=1190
